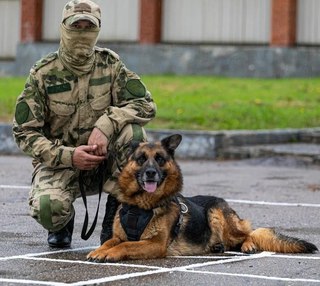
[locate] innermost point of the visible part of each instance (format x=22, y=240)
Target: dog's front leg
x=142, y=249
x=99, y=255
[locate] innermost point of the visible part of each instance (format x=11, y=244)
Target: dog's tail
x=267, y=239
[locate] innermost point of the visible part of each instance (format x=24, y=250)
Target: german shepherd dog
x=154, y=220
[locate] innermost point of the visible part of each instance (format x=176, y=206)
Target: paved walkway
x=279, y=192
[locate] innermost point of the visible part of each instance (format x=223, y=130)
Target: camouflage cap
x=82, y=10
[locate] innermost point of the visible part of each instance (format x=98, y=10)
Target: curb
x=7, y=144
x=208, y=145
x=243, y=144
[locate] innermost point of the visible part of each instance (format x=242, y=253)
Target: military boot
x=63, y=237
x=111, y=209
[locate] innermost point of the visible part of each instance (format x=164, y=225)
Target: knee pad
x=51, y=212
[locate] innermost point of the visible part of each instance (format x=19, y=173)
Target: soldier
x=80, y=105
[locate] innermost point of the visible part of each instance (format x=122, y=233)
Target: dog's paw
x=101, y=256
x=248, y=247
x=217, y=248
x=96, y=256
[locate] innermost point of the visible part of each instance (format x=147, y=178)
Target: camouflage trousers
x=54, y=190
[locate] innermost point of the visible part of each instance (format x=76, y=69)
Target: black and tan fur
x=152, y=180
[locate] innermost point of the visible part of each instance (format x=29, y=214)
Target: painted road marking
x=228, y=200
x=14, y=187
x=273, y=203
x=157, y=270
x=151, y=270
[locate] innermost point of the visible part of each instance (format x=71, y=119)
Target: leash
x=101, y=175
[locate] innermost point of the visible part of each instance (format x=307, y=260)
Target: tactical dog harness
x=134, y=220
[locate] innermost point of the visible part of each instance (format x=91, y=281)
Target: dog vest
x=134, y=220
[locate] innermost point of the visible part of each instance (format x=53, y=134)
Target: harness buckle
x=183, y=207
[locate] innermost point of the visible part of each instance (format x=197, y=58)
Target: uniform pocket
x=101, y=102
x=62, y=109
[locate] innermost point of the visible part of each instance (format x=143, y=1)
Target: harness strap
x=183, y=209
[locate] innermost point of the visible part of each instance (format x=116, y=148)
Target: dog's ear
x=171, y=142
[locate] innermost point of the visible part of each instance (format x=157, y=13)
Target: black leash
x=101, y=176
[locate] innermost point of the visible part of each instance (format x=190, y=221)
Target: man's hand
x=98, y=138
x=84, y=158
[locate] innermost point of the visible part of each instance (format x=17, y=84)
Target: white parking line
x=151, y=270
x=14, y=187
x=256, y=276
x=228, y=200
x=32, y=282
x=46, y=253
x=88, y=262
x=273, y=203
x=156, y=270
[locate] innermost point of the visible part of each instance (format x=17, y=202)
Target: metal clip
x=183, y=207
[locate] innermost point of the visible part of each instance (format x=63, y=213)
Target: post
x=31, y=20
x=283, y=22
x=150, y=21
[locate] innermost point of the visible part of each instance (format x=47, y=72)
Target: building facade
x=224, y=37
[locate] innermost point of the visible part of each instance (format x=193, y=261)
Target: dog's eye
x=160, y=160
x=141, y=159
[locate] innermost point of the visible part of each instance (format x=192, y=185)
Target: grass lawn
x=215, y=103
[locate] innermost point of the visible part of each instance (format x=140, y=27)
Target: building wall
x=183, y=21
x=120, y=20
x=308, y=26
x=256, y=38
x=218, y=21
x=10, y=27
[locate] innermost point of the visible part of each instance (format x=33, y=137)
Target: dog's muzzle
x=150, y=179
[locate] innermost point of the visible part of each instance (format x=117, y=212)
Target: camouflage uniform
x=57, y=111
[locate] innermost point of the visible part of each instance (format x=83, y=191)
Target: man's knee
x=52, y=211
x=131, y=132
x=123, y=143
x=120, y=150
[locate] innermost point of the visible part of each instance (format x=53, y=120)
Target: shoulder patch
x=23, y=112
x=44, y=61
x=136, y=87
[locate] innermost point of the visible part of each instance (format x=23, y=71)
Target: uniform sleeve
x=132, y=103
x=29, y=131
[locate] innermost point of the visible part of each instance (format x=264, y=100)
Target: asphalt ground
x=271, y=192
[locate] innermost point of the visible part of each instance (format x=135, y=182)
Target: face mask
x=77, y=48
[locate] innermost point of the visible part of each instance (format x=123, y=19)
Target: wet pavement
x=272, y=192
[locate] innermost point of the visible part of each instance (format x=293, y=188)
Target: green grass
x=10, y=88
x=215, y=103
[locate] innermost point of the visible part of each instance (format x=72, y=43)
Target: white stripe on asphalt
x=273, y=203
x=14, y=187
x=228, y=200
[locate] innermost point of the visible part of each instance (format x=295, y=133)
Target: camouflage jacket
x=57, y=110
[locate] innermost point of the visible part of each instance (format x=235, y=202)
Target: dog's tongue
x=150, y=187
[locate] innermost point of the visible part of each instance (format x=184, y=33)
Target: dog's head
x=151, y=173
